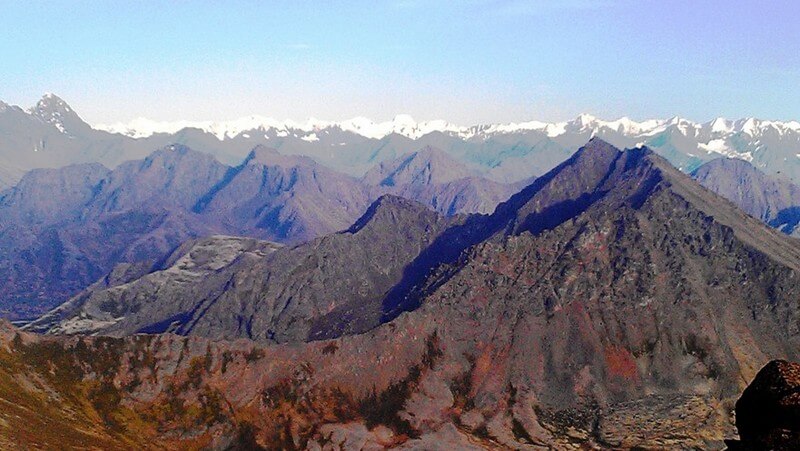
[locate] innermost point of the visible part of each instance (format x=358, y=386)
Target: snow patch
x=715, y=145
x=721, y=147
x=721, y=125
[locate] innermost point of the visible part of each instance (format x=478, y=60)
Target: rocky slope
x=771, y=199
x=62, y=229
x=614, y=288
x=327, y=287
x=168, y=392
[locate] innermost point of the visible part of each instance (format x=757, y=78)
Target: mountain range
x=612, y=302
x=62, y=229
x=260, y=284
x=57, y=245
x=51, y=134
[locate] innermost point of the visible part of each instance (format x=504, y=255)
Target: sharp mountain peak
x=389, y=206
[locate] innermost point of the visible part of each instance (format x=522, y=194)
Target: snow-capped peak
x=51, y=102
x=721, y=125
x=53, y=110
x=585, y=120
x=749, y=126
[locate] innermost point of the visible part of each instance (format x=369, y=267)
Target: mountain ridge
x=504, y=153
x=633, y=319
x=405, y=125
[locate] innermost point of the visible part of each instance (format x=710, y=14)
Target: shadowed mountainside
x=62, y=229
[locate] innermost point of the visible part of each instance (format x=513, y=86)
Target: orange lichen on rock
x=620, y=363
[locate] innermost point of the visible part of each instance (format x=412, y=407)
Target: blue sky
x=470, y=61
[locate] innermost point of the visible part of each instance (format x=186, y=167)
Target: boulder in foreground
x=768, y=413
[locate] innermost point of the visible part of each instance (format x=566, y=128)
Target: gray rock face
x=773, y=200
x=191, y=270
x=644, y=277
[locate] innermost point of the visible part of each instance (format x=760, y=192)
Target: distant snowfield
x=406, y=126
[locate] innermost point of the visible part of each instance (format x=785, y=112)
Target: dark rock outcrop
x=768, y=412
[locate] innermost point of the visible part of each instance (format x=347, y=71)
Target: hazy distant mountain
x=293, y=197
x=510, y=152
x=771, y=199
x=61, y=229
x=433, y=177
x=614, y=302
x=52, y=135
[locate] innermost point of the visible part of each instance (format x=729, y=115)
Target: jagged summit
x=55, y=111
x=389, y=207
x=52, y=102
x=577, y=181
